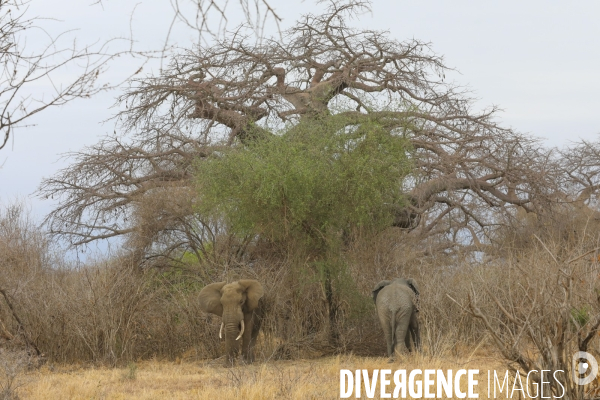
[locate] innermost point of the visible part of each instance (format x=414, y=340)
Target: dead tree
x=468, y=169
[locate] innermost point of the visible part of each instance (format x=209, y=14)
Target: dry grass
x=300, y=379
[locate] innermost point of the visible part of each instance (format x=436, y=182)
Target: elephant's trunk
x=231, y=331
x=233, y=327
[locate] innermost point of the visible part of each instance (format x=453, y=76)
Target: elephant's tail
x=394, y=328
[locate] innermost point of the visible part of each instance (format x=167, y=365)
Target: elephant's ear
x=210, y=298
x=413, y=286
x=254, y=291
x=378, y=287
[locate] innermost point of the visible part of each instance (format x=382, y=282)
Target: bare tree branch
x=23, y=68
x=470, y=174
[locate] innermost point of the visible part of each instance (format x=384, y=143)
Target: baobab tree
x=468, y=169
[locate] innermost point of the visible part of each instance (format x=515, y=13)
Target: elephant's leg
x=390, y=343
x=402, y=323
x=414, y=330
x=407, y=341
x=385, y=321
x=247, y=338
x=257, y=322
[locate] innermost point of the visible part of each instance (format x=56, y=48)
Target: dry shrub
x=111, y=312
x=106, y=312
x=13, y=364
x=544, y=307
x=542, y=313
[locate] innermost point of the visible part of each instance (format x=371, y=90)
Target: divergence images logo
x=584, y=364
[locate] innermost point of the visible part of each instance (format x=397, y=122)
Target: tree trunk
x=334, y=334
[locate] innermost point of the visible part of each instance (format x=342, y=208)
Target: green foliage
x=308, y=183
x=581, y=316
x=131, y=372
x=176, y=281
x=344, y=287
x=191, y=259
x=310, y=187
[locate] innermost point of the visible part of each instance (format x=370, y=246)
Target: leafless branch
x=22, y=68
x=471, y=175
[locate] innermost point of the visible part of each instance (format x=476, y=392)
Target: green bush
x=581, y=316
x=309, y=182
x=309, y=189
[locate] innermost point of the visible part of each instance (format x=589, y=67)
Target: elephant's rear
x=396, y=298
x=395, y=307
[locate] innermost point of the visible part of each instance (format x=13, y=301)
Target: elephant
x=397, y=305
x=238, y=305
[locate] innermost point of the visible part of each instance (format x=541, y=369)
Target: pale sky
x=537, y=60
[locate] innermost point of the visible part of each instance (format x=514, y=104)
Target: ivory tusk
x=221, y=331
x=241, y=332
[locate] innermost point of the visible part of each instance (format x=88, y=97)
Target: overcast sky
x=538, y=60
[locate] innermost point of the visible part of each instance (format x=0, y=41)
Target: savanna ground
x=295, y=379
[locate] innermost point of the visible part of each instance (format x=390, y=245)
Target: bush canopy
x=310, y=181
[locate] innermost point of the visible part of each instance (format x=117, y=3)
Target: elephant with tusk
x=238, y=305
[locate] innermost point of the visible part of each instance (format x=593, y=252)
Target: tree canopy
x=469, y=174
x=309, y=183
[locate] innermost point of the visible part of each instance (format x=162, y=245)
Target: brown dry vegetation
x=110, y=313
x=500, y=233
x=116, y=321
x=299, y=379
